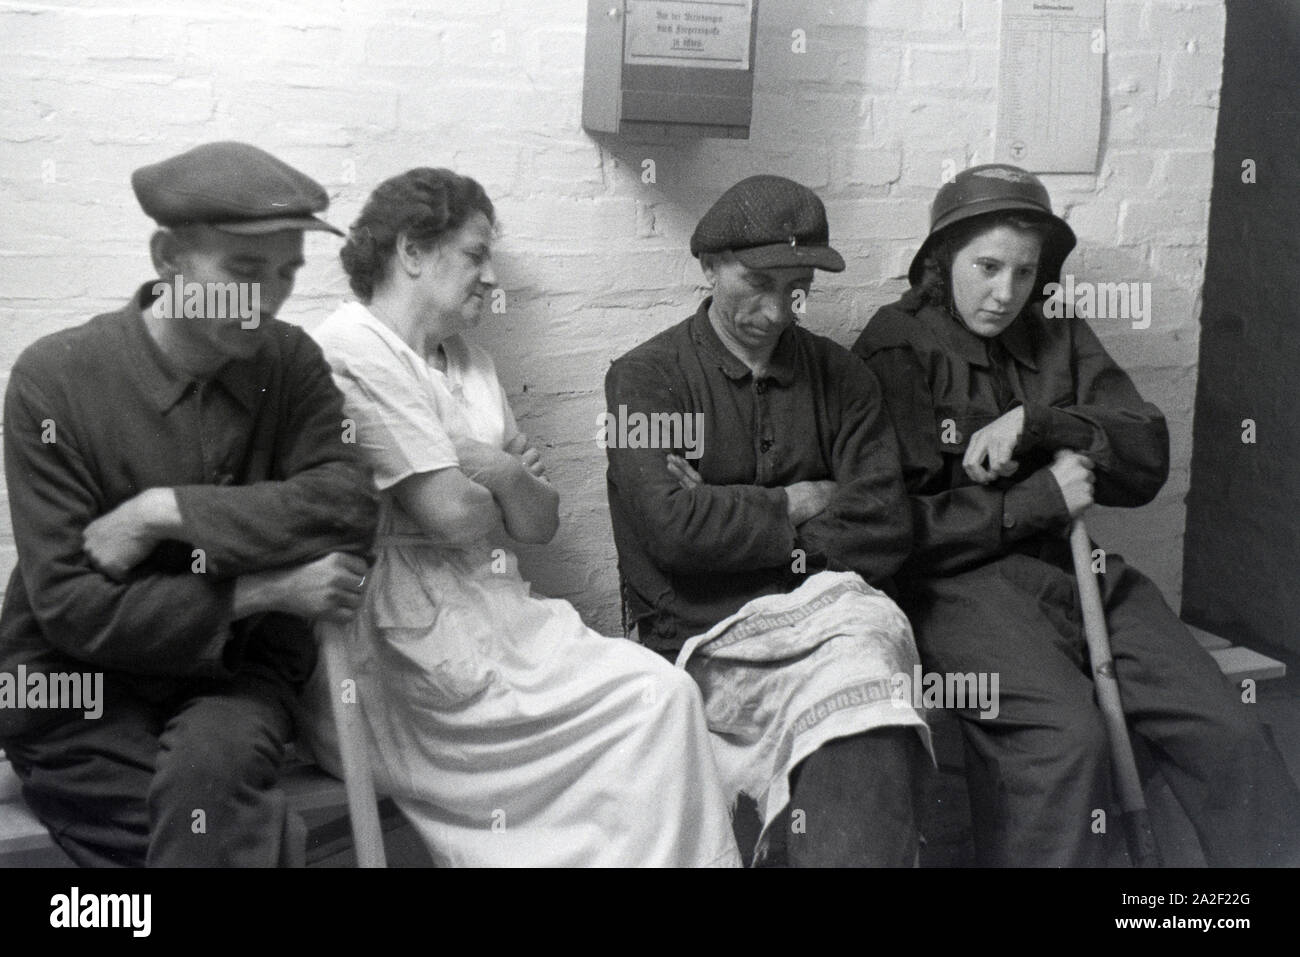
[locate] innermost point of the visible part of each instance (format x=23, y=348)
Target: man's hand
x=117, y=542
x=683, y=472
x=529, y=457
x=1073, y=473
x=988, y=456
x=328, y=589
x=807, y=500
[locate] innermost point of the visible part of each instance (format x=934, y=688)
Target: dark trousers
x=1040, y=771
x=183, y=775
x=854, y=802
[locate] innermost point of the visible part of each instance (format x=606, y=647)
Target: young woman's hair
x=935, y=287
x=424, y=203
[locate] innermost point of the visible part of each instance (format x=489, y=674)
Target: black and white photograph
x=651, y=434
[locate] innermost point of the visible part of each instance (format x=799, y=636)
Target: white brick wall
x=594, y=261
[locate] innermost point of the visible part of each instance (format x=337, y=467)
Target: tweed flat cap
x=769, y=222
x=234, y=187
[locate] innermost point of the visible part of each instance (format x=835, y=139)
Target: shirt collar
x=1017, y=339
x=360, y=312
x=781, y=367
x=166, y=384
x=453, y=347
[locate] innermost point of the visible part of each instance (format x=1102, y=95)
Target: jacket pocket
x=954, y=429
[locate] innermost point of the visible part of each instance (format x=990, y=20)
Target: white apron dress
x=507, y=731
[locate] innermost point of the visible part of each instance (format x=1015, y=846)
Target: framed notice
x=688, y=33
x=1049, y=84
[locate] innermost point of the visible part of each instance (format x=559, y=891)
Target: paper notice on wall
x=1049, y=84
x=688, y=33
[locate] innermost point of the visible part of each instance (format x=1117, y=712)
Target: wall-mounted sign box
x=670, y=67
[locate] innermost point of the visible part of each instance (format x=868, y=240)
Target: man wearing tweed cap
x=183, y=502
x=761, y=564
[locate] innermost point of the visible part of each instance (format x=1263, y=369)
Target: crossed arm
x=854, y=517
x=291, y=544
x=327, y=588
x=491, y=491
x=1108, y=445
x=803, y=500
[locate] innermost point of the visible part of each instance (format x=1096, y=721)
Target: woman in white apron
x=507, y=731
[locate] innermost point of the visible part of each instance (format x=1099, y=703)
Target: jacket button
x=765, y=445
x=1008, y=521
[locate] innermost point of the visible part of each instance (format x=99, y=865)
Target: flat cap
x=234, y=187
x=769, y=222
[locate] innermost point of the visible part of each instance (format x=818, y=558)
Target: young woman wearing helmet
x=1011, y=424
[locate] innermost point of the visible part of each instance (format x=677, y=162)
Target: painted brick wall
x=594, y=260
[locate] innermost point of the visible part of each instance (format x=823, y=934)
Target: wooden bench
x=318, y=797
x=322, y=800
x=1239, y=663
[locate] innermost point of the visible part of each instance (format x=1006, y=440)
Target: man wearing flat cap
x=183, y=504
x=758, y=554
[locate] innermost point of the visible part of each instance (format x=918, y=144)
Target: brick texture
x=593, y=260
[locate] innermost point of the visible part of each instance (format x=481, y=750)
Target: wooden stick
x=363, y=808
x=1141, y=839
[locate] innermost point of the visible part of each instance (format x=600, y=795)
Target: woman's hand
x=532, y=461
x=988, y=456
x=1073, y=473
x=529, y=504
x=485, y=464
x=529, y=457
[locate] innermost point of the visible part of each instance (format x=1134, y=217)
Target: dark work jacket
x=942, y=383
x=94, y=415
x=688, y=559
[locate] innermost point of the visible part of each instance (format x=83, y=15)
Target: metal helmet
x=992, y=188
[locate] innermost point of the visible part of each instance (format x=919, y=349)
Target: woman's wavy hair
x=424, y=203
x=935, y=285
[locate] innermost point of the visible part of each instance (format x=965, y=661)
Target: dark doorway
x=1241, y=559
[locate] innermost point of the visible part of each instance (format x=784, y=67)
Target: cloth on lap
x=788, y=673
